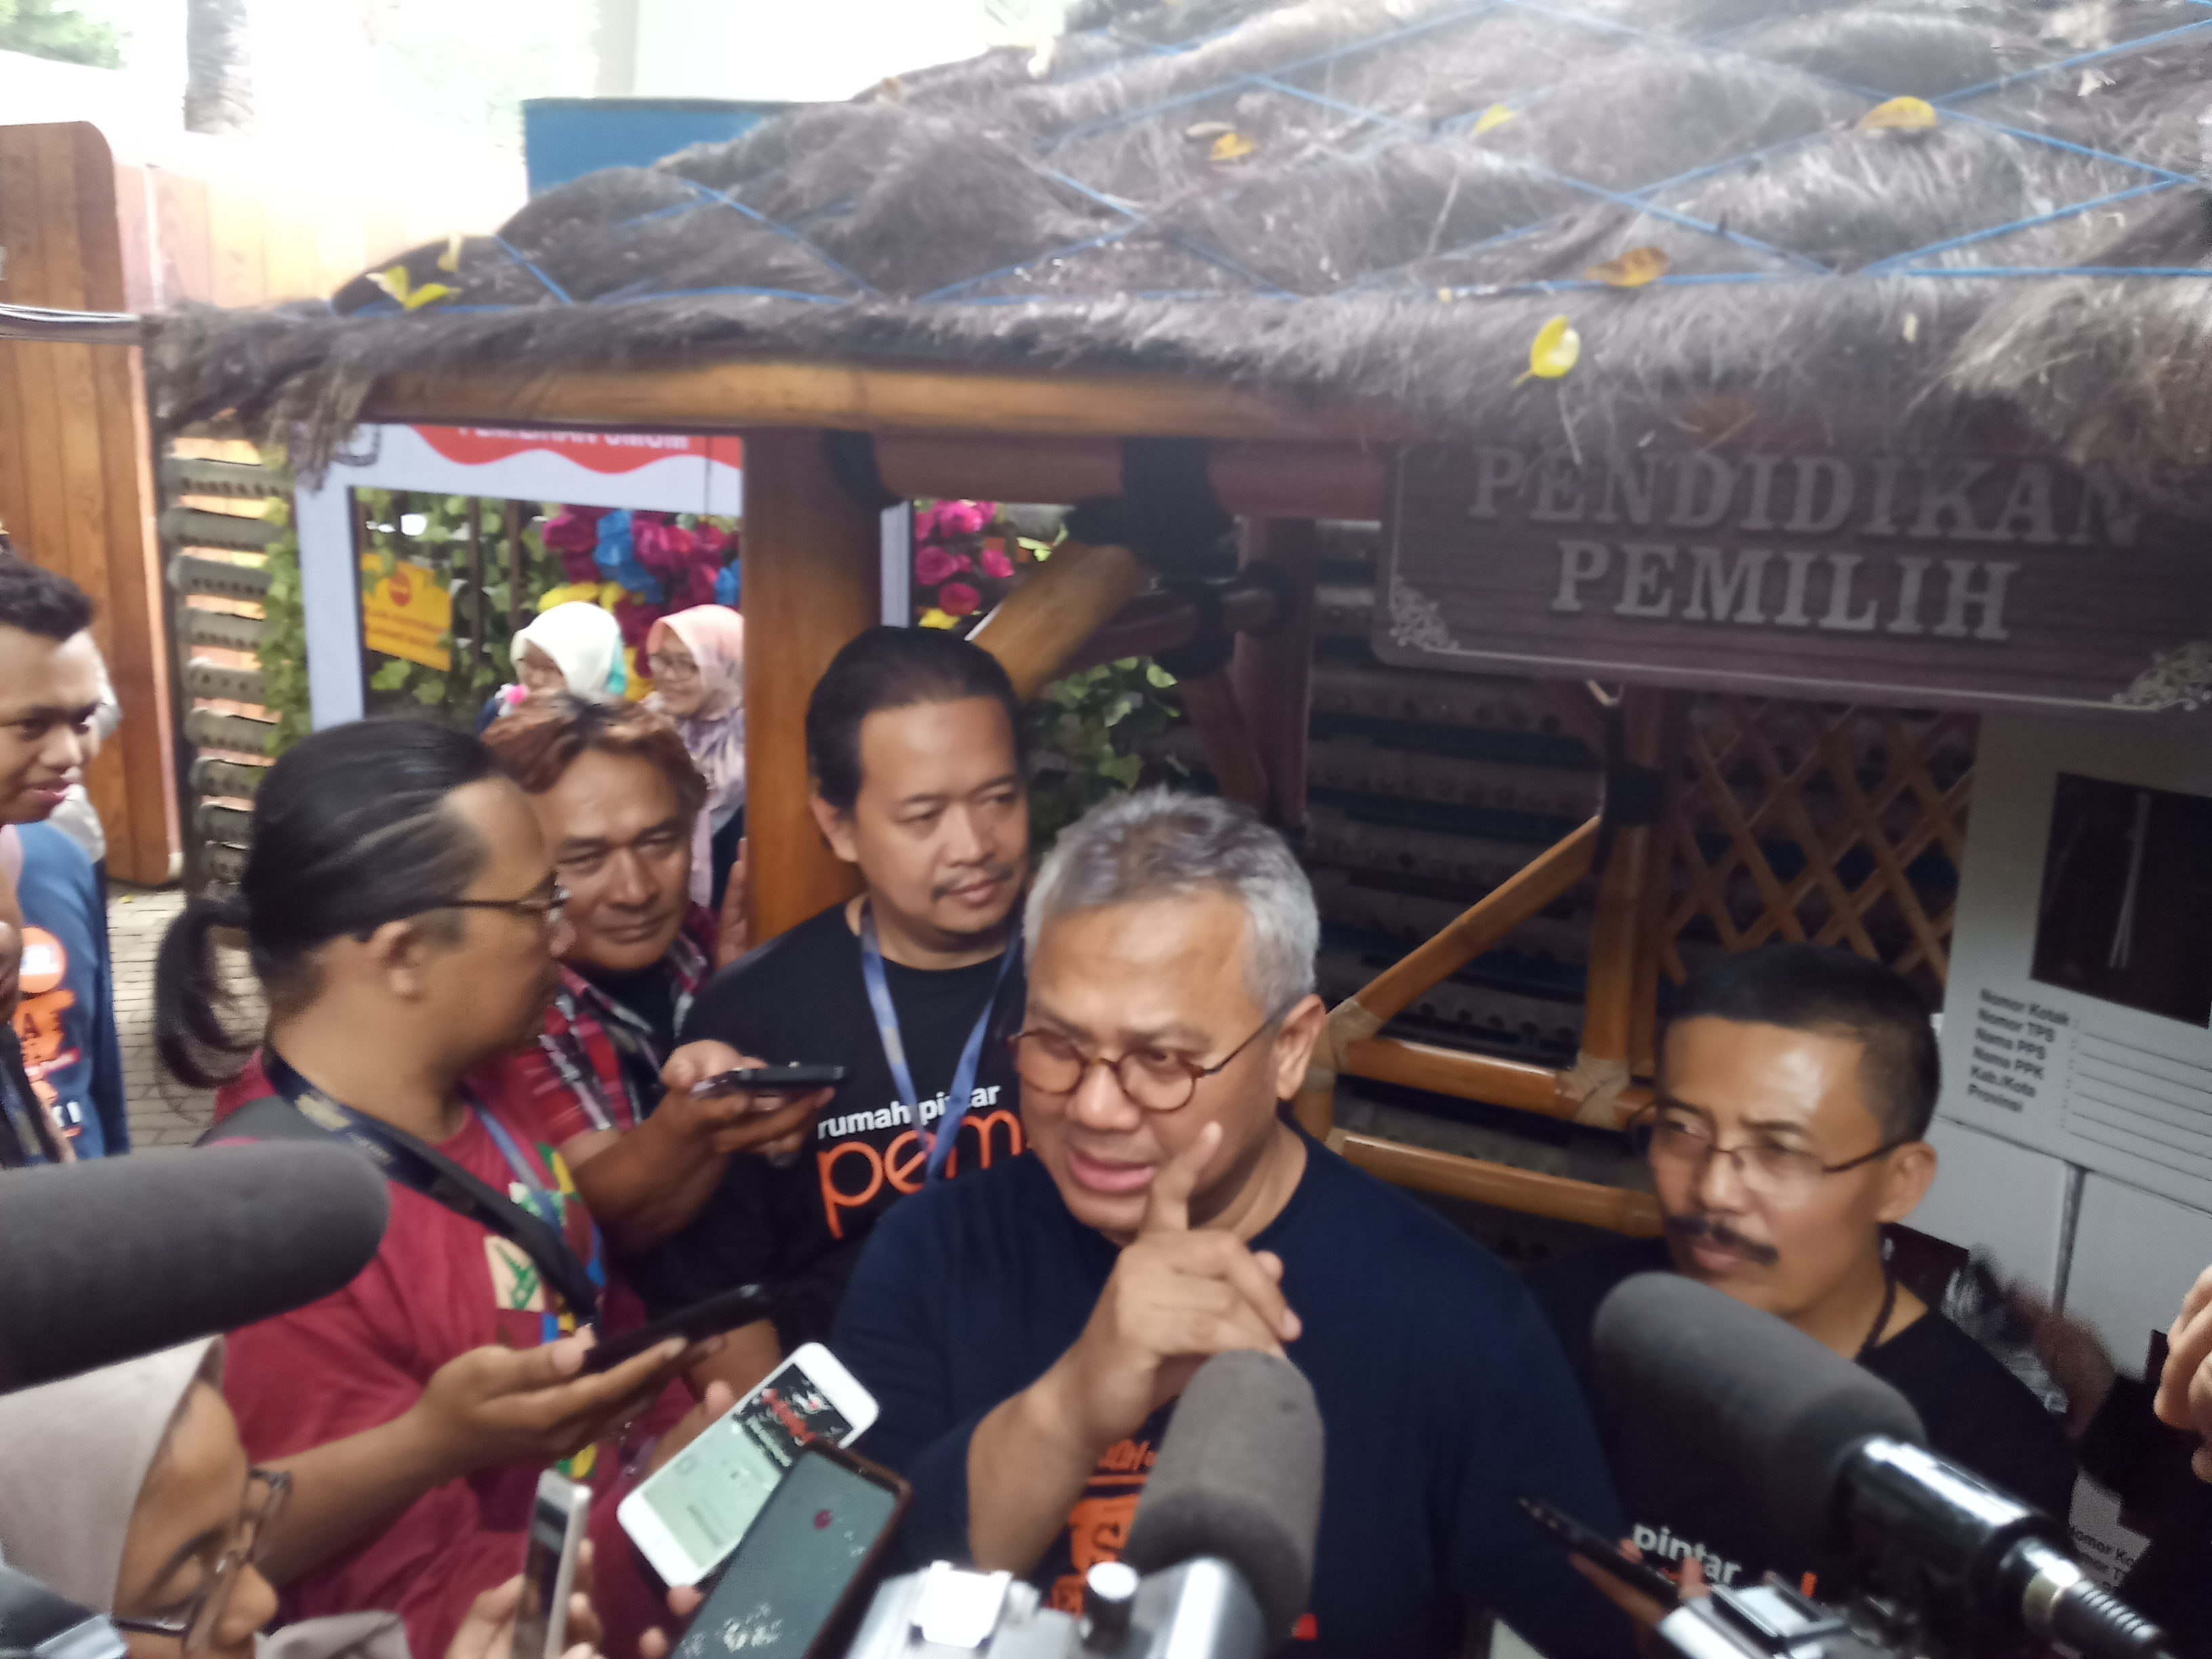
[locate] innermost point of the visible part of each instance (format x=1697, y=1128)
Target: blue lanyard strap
x=963, y=1092
x=425, y=1169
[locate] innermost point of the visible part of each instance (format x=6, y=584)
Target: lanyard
x=963, y=1092
x=425, y=1169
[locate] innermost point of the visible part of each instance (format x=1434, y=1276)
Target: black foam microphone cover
x=104, y=1261
x=1238, y=1477
x=1771, y=1410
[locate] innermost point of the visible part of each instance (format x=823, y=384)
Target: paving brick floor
x=163, y=1111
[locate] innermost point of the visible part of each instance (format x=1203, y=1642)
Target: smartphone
x=557, y=1519
x=696, y=1323
x=805, y=1556
x=791, y=1079
x=690, y=1514
x=1602, y=1551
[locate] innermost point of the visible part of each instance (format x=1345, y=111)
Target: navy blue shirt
x=1443, y=1395
x=66, y=1018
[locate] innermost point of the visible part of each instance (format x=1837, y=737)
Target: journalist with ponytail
x=399, y=912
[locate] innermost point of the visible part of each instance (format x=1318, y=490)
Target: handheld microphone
x=104, y=1261
x=1830, y=1457
x=1239, y=1479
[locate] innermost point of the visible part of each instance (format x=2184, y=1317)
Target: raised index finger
x=1167, y=1201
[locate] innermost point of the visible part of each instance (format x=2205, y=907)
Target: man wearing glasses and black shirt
x=1795, y=1088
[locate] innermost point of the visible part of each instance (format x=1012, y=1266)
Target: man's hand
x=1644, y=1609
x=682, y=1602
x=746, y=1120
x=733, y=928
x=492, y=1406
x=1176, y=1298
x=2185, y=1386
x=487, y=1633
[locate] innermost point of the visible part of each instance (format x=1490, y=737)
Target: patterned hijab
x=714, y=634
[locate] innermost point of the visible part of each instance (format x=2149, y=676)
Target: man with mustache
x=1795, y=1089
x=914, y=739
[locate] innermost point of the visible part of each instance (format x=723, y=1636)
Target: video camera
x=1829, y=1457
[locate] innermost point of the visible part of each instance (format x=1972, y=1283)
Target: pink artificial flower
x=996, y=564
x=579, y=566
x=933, y=565
x=570, y=532
x=662, y=547
x=958, y=599
x=636, y=618
x=711, y=544
x=702, y=579
x=964, y=518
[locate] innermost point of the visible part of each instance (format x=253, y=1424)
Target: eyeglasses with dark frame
x=1156, y=1081
x=265, y=1494
x=544, y=906
x=1785, y=1175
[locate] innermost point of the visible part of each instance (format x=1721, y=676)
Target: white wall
x=796, y=49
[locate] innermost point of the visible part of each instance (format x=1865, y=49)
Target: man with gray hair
x=1028, y=1329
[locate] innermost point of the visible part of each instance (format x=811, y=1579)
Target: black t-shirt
x=801, y=997
x=1443, y=1397
x=1977, y=1413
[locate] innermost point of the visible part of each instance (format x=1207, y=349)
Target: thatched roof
x=1384, y=201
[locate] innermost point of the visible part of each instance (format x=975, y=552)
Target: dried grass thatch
x=1382, y=200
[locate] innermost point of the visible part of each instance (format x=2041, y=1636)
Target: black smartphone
x=1602, y=1551
x=792, y=1580
x=696, y=1323
x=791, y=1079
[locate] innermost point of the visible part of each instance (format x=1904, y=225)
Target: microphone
x=106, y=1261
x=1831, y=1457
x=1239, y=1479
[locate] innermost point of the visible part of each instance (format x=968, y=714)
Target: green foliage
x=45, y=30
x=1095, y=733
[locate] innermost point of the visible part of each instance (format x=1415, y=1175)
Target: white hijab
x=585, y=641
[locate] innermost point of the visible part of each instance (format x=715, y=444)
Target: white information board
x=2078, y=1020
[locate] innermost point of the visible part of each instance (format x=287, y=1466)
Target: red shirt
x=440, y=1286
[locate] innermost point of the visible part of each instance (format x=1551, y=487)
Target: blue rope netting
x=2146, y=178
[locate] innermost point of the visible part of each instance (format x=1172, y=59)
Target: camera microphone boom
x=1223, y=1537
x=1830, y=1458
x=104, y=1261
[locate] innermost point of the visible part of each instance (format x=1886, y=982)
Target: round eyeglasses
x=196, y=1625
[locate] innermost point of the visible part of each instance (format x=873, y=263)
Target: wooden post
x=1211, y=705
x=1274, y=675
x=812, y=573
x=1602, y=1068
x=1037, y=630
x=518, y=567
x=76, y=487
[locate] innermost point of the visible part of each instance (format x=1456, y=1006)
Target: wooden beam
x=1611, y=1000
x=1273, y=673
x=743, y=395
x=1037, y=630
x=1160, y=620
x=1537, y=884
x=1616, y=1209
x=813, y=570
x=1509, y=1082
x=1289, y=479
x=1209, y=701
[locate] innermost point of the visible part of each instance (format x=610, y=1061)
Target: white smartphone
x=558, y=1522
x=688, y=1517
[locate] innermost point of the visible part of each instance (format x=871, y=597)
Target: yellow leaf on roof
x=451, y=258
x=1555, y=351
x=1232, y=147
x=394, y=281
x=933, y=618
x=1496, y=116
x=1899, y=115
x=1633, y=269
x=428, y=293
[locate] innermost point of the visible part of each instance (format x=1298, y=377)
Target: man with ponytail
x=402, y=917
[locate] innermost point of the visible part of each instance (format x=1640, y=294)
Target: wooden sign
x=1920, y=581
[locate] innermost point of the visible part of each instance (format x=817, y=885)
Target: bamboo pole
x=1274, y=674
x=757, y=396
x=1289, y=479
x=1210, y=703
x=1161, y=620
x=812, y=570
x=1038, y=627
x=1602, y=1070
x=1613, y=1208
x=1512, y=1084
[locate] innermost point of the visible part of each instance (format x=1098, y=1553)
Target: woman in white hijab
x=126, y=1490
x=575, y=648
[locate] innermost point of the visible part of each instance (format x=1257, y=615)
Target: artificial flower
x=996, y=564
x=933, y=618
x=965, y=517
x=572, y=529
x=959, y=598
x=933, y=565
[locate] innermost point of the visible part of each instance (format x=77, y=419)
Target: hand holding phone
x=696, y=1323
x=773, y=1082
x=557, y=1519
x=713, y=1100
x=1601, y=1553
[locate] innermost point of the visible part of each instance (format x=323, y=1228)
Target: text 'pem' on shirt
x=1443, y=1395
